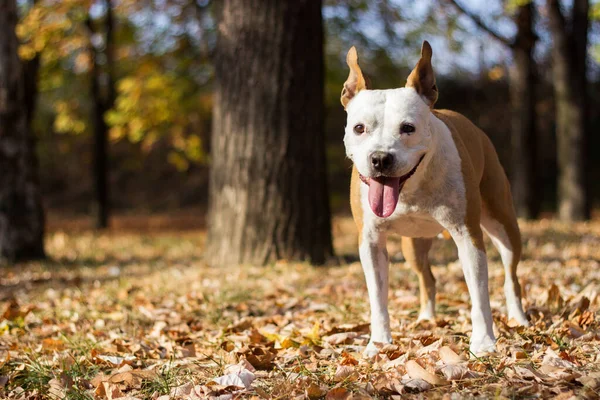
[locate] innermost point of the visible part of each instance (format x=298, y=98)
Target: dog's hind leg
x=415, y=251
x=507, y=239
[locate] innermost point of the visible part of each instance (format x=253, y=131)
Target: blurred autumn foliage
x=160, y=122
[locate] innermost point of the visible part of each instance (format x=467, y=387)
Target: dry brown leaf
x=591, y=381
x=455, y=372
x=3, y=380
x=432, y=347
x=56, y=390
x=314, y=391
x=109, y=390
x=344, y=372
x=132, y=379
x=554, y=360
x=554, y=299
x=182, y=390
x=415, y=371
x=448, y=356
x=339, y=393
x=348, y=359
x=237, y=376
x=259, y=356
x=340, y=338
x=418, y=385
x=53, y=344
x=528, y=373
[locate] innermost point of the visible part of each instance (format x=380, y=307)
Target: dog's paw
x=483, y=346
x=426, y=316
x=520, y=318
x=371, y=350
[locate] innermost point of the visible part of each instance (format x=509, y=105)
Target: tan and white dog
x=418, y=171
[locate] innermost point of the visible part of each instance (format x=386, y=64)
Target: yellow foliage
x=67, y=120
x=496, y=73
x=512, y=5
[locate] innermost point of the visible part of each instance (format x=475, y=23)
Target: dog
x=417, y=172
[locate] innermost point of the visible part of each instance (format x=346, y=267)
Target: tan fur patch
x=485, y=181
x=422, y=78
x=356, y=81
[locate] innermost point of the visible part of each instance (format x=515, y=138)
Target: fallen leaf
x=591, y=381
x=340, y=338
x=53, y=344
x=109, y=390
x=56, y=390
x=448, y=356
x=182, y=390
x=314, y=391
x=344, y=372
x=238, y=376
x=415, y=371
x=456, y=372
x=417, y=385
x=259, y=356
x=339, y=393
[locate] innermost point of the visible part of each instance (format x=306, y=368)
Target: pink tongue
x=383, y=195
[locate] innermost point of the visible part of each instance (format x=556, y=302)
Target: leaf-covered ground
x=139, y=315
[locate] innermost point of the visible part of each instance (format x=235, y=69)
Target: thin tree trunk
x=103, y=99
x=21, y=213
x=268, y=183
x=525, y=186
x=570, y=84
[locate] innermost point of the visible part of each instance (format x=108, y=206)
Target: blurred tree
x=103, y=99
x=522, y=79
x=268, y=182
x=21, y=213
x=160, y=83
x=569, y=73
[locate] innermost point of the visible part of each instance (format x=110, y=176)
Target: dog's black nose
x=381, y=161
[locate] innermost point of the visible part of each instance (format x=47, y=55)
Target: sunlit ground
x=135, y=312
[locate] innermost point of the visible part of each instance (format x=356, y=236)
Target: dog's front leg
x=474, y=263
x=374, y=259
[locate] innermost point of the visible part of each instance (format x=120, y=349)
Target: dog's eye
x=407, y=128
x=359, y=129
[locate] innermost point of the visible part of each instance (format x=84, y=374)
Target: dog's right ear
x=356, y=81
x=422, y=78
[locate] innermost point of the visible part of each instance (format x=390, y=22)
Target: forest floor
x=135, y=313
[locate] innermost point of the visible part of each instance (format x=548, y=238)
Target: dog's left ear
x=356, y=81
x=422, y=78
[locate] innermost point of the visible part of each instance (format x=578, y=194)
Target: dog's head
x=387, y=131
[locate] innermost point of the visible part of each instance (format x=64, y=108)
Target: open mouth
x=385, y=190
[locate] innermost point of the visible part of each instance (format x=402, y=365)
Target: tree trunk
x=103, y=99
x=268, y=183
x=21, y=213
x=570, y=84
x=522, y=82
x=525, y=186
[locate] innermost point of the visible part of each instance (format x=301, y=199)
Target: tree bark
x=522, y=83
x=525, y=186
x=268, y=184
x=21, y=213
x=569, y=53
x=103, y=97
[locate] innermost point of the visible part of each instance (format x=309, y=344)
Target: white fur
x=432, y=199
x=382, y=112
x=500, y=239
x=428, y=313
